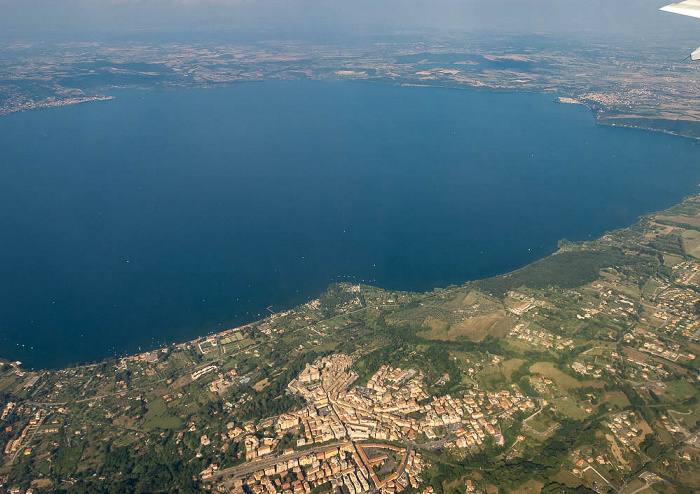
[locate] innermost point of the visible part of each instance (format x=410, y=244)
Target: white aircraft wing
x=690, y=8
x=686, y=7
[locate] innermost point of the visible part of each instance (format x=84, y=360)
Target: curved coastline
x=564, y=247
x=465, y=266
x=687, y=128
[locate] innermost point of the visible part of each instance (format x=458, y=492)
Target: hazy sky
x=350, y=16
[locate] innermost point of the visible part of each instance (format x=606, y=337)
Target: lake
x=158, y=216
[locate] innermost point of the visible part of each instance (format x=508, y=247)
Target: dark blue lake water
x=156, y=217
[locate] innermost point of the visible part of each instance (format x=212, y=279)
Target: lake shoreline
x=144, y=355
x=624, y=121
x=466, y=216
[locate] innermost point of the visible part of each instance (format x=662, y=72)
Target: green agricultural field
x=680, y=390
x=490, y=377
x=474, y=328
x=237, y=336
x=563, y=381
x=570, y=408
x=238, y=345
x=617, y=399
x=651, y=287
x=158, y=416
x=7, y=383
x=567, y=478
x=529, y=487
x=540, y=423
x=511, y=365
